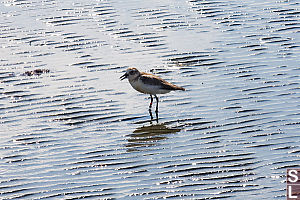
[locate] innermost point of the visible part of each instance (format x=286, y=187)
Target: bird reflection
x=147, y=136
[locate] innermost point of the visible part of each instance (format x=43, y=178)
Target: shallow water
x=79, y=132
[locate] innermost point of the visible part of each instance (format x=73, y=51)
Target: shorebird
x=149, y=84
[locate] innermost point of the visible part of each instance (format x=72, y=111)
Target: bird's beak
x=124, y=76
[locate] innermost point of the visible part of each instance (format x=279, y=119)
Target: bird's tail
x=179, y=88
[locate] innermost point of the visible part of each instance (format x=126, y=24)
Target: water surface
x=77, y=131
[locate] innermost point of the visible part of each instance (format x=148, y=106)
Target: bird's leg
x=156, y=104
x=150, y=113
x=150, y=102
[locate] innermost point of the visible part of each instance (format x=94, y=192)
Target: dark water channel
x=76, y=131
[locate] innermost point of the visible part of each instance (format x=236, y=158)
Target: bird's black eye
x=131, y=72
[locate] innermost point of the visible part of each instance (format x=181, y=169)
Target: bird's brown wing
x=155, y=80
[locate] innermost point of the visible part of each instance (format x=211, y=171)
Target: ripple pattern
x=77, y=132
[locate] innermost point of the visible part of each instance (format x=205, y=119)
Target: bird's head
x=131, y=73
